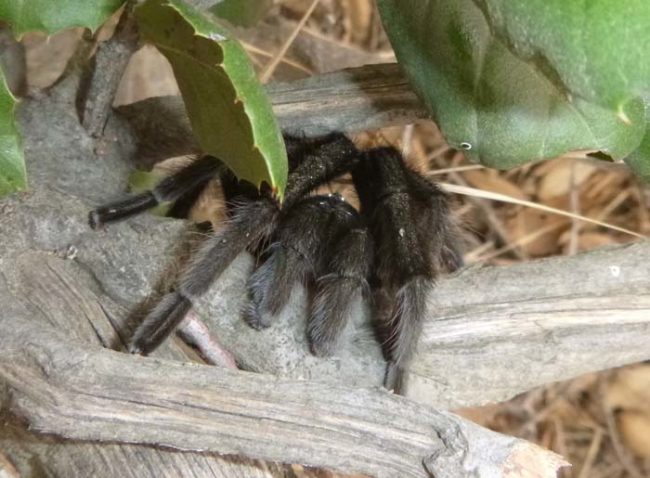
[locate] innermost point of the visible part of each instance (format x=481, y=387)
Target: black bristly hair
x=409, y=219
x=189, y=181
x=394, y=247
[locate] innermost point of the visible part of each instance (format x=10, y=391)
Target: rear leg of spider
x=186, y=183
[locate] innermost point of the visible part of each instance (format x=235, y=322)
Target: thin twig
x=520, y=242
x=491, y=215
x=455, y=169
x=474, y=192
x=196, y=333
x=270, y=68
x=255, y=50
x=592, y=453
x=574, y=199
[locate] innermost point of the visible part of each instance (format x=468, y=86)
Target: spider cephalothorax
x=390, y=251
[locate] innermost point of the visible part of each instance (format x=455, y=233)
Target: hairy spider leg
x=251, y=222
x=326, y=159
x=252, y=219
x=307, y=234
x=341, y=282
x=185, y=181
x=408, y=219
x=182, y=207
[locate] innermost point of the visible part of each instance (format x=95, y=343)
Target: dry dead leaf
x=635, y=432
x=527, y=221
x=358, y=19
x=630, y=388
x=628, y=394
x=148, y=74
x=588, y=240
x=561, y=174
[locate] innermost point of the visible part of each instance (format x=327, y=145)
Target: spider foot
x=159, y=323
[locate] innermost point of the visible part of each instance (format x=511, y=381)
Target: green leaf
x=50, y=16
x=521, y=81
x=245, y=13
x=598, y=49
x=13, y=176
x=639, y=160
x=227, y=106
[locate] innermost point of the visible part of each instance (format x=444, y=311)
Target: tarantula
x=391, y=250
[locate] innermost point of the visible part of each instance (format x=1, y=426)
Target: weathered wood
x=102, y=76
x=491, y=332
x=50, y=260
x=32, y=455
x=74, y=391
x=510, y=329
x=355, y=99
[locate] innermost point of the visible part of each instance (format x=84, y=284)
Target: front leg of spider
x=414, y=239
x=251, y=218
x=321, y=242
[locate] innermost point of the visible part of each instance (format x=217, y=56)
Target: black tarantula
x=391, y=250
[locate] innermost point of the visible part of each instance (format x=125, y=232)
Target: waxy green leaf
x=227, y=106
x=50, y=16
x=12, y=161
x=512, y=82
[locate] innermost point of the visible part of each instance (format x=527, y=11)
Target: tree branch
x=510, y=329
x=102, y=77
x=491, y=333
x=76, y=392
x=350, y=100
